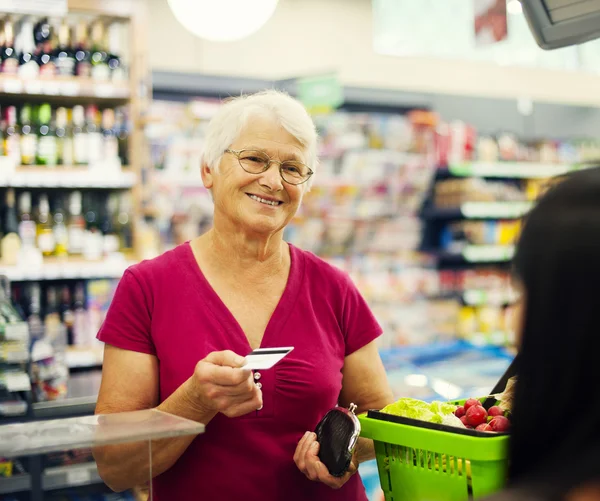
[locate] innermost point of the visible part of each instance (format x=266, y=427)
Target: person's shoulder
x=323, y=270
x=161, y=267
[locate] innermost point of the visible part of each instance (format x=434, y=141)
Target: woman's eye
x=292, y=168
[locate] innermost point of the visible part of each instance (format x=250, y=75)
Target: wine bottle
x=45, y=233
x=83, y=64
x=12, y=138
x=11, y=242
x=28, y=60
x=10, y=56
x=28, y=136
x=47, y=153
x=64, y=53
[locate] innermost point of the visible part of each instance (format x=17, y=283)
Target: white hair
x=229, y=121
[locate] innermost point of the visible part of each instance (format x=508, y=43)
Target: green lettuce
x=434, y=412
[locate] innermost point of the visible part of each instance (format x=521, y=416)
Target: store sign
x=320, y=93
x=39, y=7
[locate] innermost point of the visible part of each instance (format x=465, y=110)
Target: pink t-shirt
x=166, y=307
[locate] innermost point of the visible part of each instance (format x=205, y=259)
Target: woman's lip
x=270, y=199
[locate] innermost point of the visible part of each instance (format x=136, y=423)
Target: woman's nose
x=271, y=178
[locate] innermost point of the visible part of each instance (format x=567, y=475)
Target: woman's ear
x=207, y=174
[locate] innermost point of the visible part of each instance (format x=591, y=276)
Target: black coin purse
x=337, y=434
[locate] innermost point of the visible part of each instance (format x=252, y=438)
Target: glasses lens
x=253, y=161
x=294, y=172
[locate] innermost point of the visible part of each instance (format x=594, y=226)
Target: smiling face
x=257, y=203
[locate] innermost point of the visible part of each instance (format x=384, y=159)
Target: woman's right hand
x=219, y=384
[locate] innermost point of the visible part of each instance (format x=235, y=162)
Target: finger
x=223, y=376
x=246, y=389
x=313, y=464
x=299, y=448
x=323, y=476
x=225, y=358
x=308, y=446
x=244, y=407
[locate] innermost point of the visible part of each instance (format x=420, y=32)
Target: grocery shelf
x=65, y=408
x=480, y=210
x=497, y=338
x=65, y=87
x=479, y=254
x=517, y=170
x=59, y=477
x=66, y=270
x=476, y=297
x=67, y=177
x=16, y=483
x=82, y=394
x=83, y=358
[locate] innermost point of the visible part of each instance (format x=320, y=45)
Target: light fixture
x=514, y=7
x=222, y=20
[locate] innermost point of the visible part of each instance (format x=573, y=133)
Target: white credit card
x=265, y=358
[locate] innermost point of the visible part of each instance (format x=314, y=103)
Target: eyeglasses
x=257, y=162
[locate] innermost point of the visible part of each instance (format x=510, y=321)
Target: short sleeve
x=359, y=324
x=128, y=320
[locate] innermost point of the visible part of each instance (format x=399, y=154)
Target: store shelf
x=82, y=394
x=480, y=210
x=59, y=477
x=17, y=483
x=78, y=406
x=479, y=254
x=498, y=338
x=491, y=297
x=67, y=270
x=516, y=170
x=66, y=177
x=83, y=358
x=72, y=88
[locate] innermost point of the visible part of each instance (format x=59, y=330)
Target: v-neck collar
x=280, y=314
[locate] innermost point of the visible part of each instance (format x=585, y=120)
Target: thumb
x=225, y=358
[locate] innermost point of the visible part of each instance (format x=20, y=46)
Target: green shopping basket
x=422, y=461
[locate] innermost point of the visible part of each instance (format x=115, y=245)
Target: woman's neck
x=240, y=255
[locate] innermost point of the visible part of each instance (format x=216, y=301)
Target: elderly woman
x=180, y=326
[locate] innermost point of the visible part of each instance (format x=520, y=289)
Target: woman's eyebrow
x=273, y=153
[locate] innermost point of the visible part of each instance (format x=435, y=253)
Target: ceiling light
x=514, y=7
x=222, y=20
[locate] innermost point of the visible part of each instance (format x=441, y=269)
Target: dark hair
x=556, y=412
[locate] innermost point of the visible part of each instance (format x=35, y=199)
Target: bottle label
x=65, y=66
x=94, y=148
x=93, y=245
x=46, y=241
x=11, y=245
x=84, y=69
x=48, y=70
x=27, y=233
x=10, y=66
x=28, y=149
x=47, y=150
x=119, y=74
x=80, y=149
x=111, y=149
x=111, y=244
x=76, y=236
x=61, y=237
x=29, y=70
x=12, y=148
x=101, y=72
x=67, y=151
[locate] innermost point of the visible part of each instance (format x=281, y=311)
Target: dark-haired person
x=555, y=437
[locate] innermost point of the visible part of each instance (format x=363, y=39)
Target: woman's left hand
x=307, y=459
